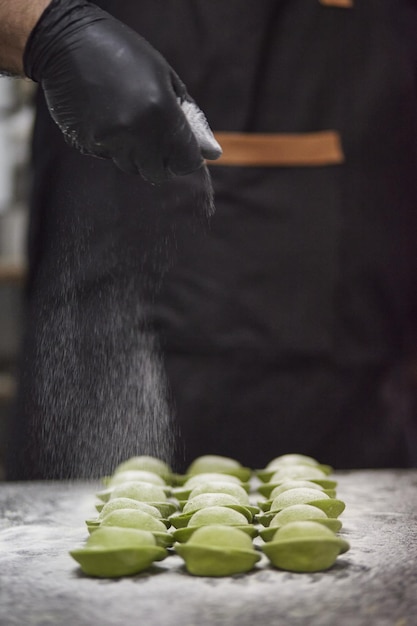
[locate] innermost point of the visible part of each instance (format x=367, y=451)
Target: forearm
x=17, y=19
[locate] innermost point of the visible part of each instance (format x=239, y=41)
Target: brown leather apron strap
x=280, y=149
x=343, y=4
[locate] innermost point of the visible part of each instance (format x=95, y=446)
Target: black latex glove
x=112, y=94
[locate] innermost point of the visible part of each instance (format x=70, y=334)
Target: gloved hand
x=112, y=94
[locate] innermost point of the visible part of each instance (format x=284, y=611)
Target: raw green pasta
x=218, y=464
x=218, y=551
x=147, y=463
x=296, y=513
x=114, y=552
x=304, y=546
x=132, y=518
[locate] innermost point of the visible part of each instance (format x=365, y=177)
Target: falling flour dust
x=101, y=392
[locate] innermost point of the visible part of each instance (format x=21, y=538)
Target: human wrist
x=59, y=18
x=17, y=21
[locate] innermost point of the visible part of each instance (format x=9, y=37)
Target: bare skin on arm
x=17, y=19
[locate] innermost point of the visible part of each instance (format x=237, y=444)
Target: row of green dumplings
x=215, y=526
x=208, y=517
x=300, y=514
x=130, y=531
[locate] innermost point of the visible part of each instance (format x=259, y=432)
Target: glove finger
x=125, y=163
x=184, y=154
x=152, y=169
x=175, y=154
x=179, y=88
x=210, y=148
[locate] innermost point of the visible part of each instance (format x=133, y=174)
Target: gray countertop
x=374, y=583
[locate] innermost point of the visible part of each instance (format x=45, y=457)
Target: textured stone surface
x=374, y=583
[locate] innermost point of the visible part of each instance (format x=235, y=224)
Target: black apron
x=287, y=321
